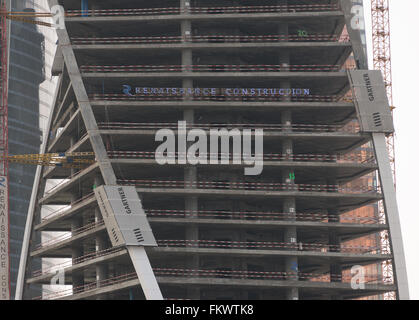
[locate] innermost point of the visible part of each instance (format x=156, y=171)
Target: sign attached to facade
x=204, y=92
x=124, y=216
x=371, y=101
x=4, y=241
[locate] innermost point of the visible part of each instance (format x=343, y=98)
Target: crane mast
x=380, y=17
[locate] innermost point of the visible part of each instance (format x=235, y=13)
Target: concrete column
x=289, y=206
x=190, y=172
x=76, y=223
x=282, y=2
x=290, y=236
x=192, y=233
x=102, y=272
x=191, y=205
x=334, y=241
x=72, y=143
x=284, y=55
x=186, y=30
x=72, y=108
x=283, y=30
x=335, y=268
x=93, y=7
x=76, y=249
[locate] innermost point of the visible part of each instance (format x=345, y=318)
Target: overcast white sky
x=405, y=66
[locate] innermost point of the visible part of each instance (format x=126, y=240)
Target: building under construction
x=127, y=227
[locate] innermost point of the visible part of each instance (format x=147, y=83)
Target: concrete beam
x=208, y=17
x=392, y=215
x=264, y=193
x=68, y=242
x=212, y=46
x=361, y=258
x=342, y=76
x=46, y=278
x=242, y=283
x=277, y=105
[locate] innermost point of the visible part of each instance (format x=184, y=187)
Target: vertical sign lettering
x=4, y=240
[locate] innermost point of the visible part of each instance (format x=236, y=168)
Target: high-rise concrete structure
x=211, y=231
x=29, y=60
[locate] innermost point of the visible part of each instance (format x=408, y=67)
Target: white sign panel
x=124, y=216
x=4, y=240
x=371, y=101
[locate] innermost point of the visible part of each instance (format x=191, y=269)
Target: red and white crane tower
x=380, y=17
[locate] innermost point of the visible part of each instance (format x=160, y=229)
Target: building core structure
x=128, y=227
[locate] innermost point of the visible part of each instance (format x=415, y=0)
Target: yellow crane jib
x=61, y=159
x=23, y=17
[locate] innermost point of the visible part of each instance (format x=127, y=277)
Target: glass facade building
x=31, y=89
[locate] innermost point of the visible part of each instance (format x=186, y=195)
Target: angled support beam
x=139, y=256
x=375, y=118
x=127, y=225
x=84, y=105
x=392, y=215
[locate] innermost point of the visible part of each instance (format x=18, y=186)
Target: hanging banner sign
x=371, y=101
x=124, y=216
x=4, y=240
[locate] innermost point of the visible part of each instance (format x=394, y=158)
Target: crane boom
x=23, y=16
x=64, y=159
x=18, y=18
